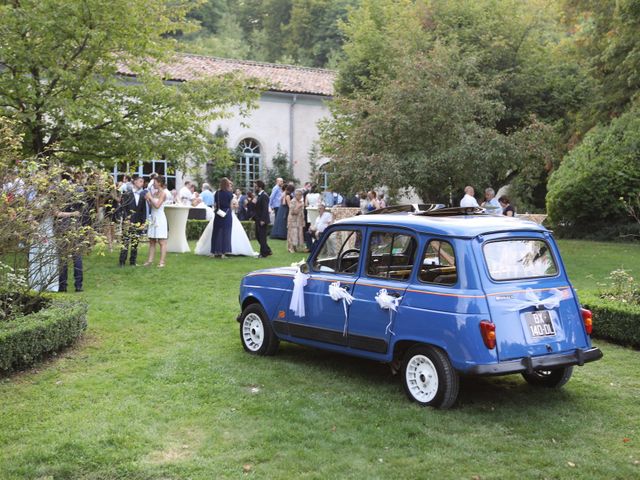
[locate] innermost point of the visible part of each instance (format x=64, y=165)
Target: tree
x=61, y=79
x=418, y=111
x=281, y=168
x=304, y=32
x=606, y=38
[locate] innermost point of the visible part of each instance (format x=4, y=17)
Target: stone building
x=285, y=119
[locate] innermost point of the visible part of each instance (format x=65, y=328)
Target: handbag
x=220, y=213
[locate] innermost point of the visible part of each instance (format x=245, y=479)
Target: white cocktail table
x=177, y=219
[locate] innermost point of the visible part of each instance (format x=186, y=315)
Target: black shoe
x=79, y=289
x=62, y=290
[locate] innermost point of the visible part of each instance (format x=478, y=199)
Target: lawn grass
x=160, y=388
x=589, y=263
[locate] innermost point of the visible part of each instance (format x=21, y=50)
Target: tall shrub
x=584, y=193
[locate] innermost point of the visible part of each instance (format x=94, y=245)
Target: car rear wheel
x=256, y=334
x=428, y=377
x=549, y=378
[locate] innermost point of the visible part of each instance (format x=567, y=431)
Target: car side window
x=339, y=253
x=391, y=255
x=438, y=264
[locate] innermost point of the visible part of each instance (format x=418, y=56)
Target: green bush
x=195, y=228
x=26, y=339
x=584, y=193
x=615, y=321
x=13, y=302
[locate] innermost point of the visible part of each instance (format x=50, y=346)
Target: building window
x=248, y=167
x=324, y=172
x=144, y=169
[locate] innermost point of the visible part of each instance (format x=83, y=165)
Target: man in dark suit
x=134, y=219
x=262, y=218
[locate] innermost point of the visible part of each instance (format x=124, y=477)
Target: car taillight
x=488, y=331
x=587, y=318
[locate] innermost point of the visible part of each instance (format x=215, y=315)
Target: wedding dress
x=240, y=244
x=43, y=259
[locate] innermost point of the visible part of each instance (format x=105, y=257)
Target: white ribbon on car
x=533, y=300
x=297, y=295
x=388, y=302
x=337, y=293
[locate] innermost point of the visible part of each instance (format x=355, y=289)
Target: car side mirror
x=304, y=268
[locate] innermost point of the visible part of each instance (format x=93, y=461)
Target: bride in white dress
x=240, y=244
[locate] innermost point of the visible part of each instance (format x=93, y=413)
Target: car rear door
x=529, y=296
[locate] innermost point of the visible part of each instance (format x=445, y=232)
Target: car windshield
x=517, y=259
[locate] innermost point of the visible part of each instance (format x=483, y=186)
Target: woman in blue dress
x=222, y=225
x=279, y=230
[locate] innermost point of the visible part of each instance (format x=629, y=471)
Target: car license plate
x=539, y=324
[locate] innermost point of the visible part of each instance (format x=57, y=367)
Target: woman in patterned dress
x=295, y=221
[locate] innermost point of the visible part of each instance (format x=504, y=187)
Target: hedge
x=614, y=321
x=26, y=339
x=196, y=227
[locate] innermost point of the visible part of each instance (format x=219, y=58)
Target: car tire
x=256, y=334
x=428, y=377
x=549, y=378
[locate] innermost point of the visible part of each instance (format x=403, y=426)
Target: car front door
x=336, y=260
x=389, y=261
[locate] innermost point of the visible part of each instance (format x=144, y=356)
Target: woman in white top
x=311, y=202
x=157, y=231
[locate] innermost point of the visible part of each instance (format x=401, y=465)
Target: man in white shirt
x=491, y=203
x=185, y=195
x=469, y=200
x=323, y=220
x=275, y=199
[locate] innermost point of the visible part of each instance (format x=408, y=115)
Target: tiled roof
x=279, y=77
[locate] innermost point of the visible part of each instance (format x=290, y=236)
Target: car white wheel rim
x=253, y=332
x=422, y=378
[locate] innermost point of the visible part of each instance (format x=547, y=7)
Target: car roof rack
x=415, y=208
x=429, y=209
x=453, y=211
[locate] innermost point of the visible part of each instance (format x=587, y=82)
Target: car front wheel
x=256, y=334
x=428, y=377
x=549, y=378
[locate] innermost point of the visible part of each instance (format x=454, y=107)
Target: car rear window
x=517, y=259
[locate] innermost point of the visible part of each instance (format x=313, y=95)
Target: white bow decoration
x=297, y=295
x=533, y=300
x=388, y=302
x=337, y=293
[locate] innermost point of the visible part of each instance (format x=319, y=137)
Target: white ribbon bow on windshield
x=533, y=300
x=297, y=295
x=337, y=293
x=388, y=302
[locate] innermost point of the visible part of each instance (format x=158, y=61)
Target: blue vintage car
x=436, y=293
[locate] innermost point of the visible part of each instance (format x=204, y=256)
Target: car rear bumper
x=544, y=362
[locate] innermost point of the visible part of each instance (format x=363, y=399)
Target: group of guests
x=300, y=214
x=141, y=207
x=493, y=205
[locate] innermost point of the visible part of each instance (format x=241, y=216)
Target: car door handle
x=395, y=294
